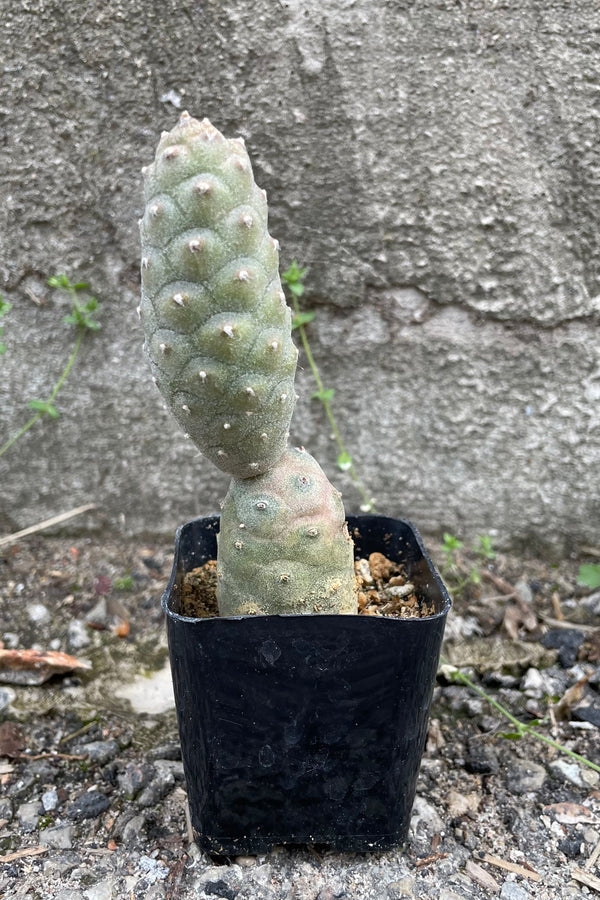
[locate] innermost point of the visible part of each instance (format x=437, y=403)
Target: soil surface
x=92, y=791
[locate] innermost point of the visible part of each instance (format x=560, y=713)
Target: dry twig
x=48, y=523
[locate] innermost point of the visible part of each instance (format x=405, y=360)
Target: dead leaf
x=574, y=695
x=11, y=739
x=518, y=616
x=481, y=877
x=570, y=813
x=36, y=666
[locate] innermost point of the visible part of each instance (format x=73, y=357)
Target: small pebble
x=134, y=779
x=574, y=774
x=88, y=806
x=28, y=815
x=78, y=635
x=512, y=891
x=131, y=831
x=50, y=800
x=481, y=759
x=99, y=751
x=404, y=887
x=524, y=776
x=220, y=889
x=532, y=684
x=58, y=838
x=7, y=695
x=567, y=641
x=38, y=613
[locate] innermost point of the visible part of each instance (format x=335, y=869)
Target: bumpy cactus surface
x=284, y=543
x=218, y=336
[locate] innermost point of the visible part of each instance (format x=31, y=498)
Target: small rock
x=6, y=811
x=588, y=712
x=571, y=847
x=525, y=776
x=404, y=887
x=154, y=870
x=481, y=758
x=131, y=831
x=103, y=890
x=567, y=641
x=473, y=707
x=574, y=774
x=524, y=592
x=512, y=891
x=532, y=684
x=99, y=616
x=425, y=814
x=220, y=889
x=78, y=635
x=58, y=838
x=99, y=751
x=50, y=800
x=38, y=613
x=158, y=788
x=7, y=695
x=88, y=806
x=246, y=862
x=462, y=804
x=134, y=779
x=28, y=815
x=171, y=751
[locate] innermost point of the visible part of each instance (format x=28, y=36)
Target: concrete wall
x=435, y=164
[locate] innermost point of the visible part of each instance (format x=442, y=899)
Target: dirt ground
x=93, y=803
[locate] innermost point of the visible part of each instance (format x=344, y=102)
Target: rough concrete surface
x=436, y=165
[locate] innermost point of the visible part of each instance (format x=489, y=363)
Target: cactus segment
x=284, y=547
x=211, y=300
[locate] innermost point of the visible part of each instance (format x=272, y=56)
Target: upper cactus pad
x=218, y=329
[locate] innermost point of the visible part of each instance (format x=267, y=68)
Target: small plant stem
x=51, y=398
x=522, y=727
x=368, y=502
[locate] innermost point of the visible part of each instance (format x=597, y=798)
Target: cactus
x=218, y=337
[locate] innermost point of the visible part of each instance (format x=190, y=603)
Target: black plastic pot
x=304, y=729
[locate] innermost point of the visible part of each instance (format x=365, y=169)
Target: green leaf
x=344, y=461
x=484, y=546
x=44, y=407
x=80, y=286
x=2, y=348
x=510, y=735
x=59, y=281
x=4, y=306
x=451, y=542
x=325, y=395
x=302, y=318
x=294, y=274
x=81, y=316
x=589, y=576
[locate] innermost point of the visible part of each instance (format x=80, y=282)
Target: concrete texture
x=437, y=167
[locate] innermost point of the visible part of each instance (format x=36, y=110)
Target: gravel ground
x=93, y=803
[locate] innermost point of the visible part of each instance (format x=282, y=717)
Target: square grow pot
x=304, y=729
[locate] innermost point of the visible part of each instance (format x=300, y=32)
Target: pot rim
x=404, y=621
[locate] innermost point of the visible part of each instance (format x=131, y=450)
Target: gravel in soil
x=92, y=792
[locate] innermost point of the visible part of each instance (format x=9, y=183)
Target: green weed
x=82, y=318
x=293, y=279
x=589, y=576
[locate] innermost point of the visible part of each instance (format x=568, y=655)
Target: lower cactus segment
x=284, y=547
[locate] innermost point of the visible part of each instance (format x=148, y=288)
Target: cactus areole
x=218, y=336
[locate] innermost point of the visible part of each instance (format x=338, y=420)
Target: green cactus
x=218, y=337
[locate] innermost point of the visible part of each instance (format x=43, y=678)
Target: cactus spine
x=218, y=337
